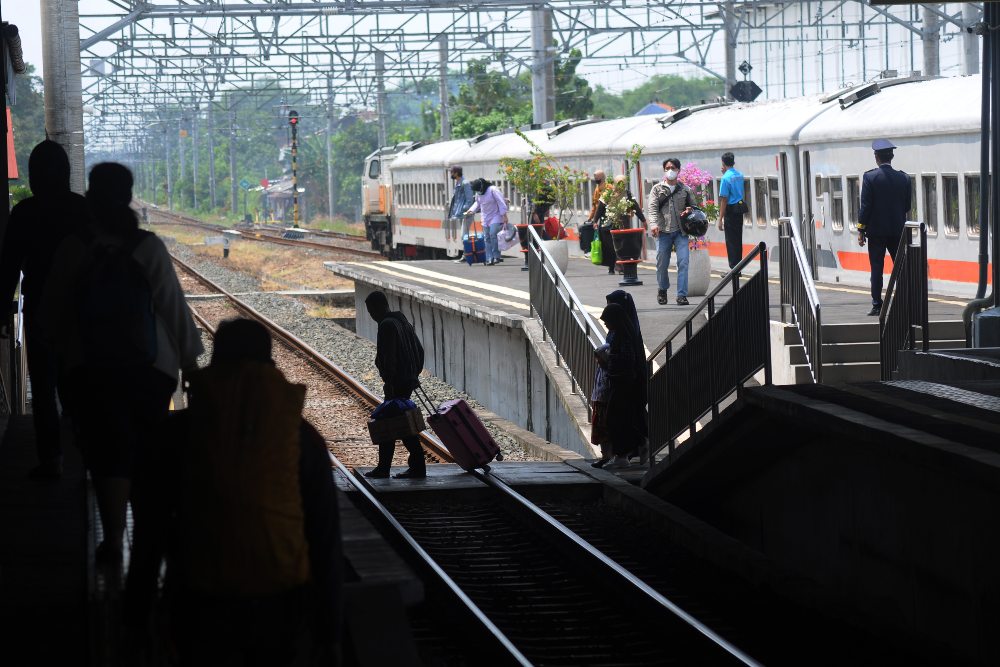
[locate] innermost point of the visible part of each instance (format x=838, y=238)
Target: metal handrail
x=904, y=315
x=799, y=299
x=573, y=332
x=732, y=346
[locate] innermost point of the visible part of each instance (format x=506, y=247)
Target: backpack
x=115, y=306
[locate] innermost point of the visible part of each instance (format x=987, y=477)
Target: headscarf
x=620, y=324
x=480, y=185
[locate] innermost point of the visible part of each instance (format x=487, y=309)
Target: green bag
x=596, y=257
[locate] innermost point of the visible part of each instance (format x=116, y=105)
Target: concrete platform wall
x=498, y=359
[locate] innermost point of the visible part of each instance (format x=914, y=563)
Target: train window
x=775, y=197
x=972, y=204
x=374, y=169
x=820, y=188
x=760, y=201
x=853, y=201
x=949, y=191
x=748, y=198
x=930, y=198
x=837, y=203
x=914, y=196
x=442, y=197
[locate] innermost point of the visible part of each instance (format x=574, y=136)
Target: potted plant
x=620, y=206
x=699, y=262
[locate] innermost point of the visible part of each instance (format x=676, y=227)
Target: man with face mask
x=461, y=200
x=668, y=201
x=587, y=228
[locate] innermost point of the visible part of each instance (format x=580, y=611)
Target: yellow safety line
x=508, y=291
x=513, y=304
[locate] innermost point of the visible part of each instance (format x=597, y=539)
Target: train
x=802, y=158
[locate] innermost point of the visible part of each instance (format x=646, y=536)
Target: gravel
x=352, y=353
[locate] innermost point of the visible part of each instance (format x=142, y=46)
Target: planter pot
x=699, y=272
x=560, y=253
x=628, y=242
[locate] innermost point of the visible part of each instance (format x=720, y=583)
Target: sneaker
x=875, y=311
x=683, y=301
x=377, y=473
x=619, y=463
x=460, y=260
x=586, y=255
x=661, y=297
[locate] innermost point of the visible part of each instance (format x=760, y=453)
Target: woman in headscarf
x=624, y=299
x=493, y=205
x=626, y=409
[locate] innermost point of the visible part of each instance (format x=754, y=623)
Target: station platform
x=504, y=288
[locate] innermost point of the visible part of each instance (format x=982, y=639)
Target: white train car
x=801, y=157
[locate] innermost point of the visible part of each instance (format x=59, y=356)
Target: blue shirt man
x=885, y=201
x=461, y=200
x=731, y=208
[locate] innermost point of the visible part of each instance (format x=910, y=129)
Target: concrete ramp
x=878, y=503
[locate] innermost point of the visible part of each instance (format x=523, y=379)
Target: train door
x=808, y=227
x=786, y=208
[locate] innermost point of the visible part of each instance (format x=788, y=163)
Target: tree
x=573, y=93
x=677, y=91
x=28, y=118
x=489, y=100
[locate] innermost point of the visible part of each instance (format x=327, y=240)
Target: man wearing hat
x=885, y=201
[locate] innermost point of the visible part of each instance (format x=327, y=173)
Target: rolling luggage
x=468, y=441
x=475, y=248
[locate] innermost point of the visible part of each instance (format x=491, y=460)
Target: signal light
x=293, y=117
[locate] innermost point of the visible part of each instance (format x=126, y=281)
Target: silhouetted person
x=626, y=413
x=37, y=226
x=885, y=201
x=399, y=357
x=122, y=332
x=241, y=500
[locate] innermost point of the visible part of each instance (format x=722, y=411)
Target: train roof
x=438, y=154
x=600, y=138
x=936, y=106
x=507, y=144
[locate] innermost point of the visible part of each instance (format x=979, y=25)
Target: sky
x=25, y=15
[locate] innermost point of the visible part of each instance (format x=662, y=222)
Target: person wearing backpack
x=36, y=227
x=122, y=332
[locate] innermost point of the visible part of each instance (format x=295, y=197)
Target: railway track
x=337, y=404
x=273, y=235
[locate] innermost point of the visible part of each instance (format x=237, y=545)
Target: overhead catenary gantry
x=140, y=59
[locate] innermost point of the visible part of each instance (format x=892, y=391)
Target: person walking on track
x=399, y=357
x=885, y=200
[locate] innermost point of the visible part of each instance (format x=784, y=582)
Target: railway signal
x=293, y=120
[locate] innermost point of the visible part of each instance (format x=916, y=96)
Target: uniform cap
x=881, y=145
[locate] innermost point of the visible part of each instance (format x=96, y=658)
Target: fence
x=714, y=361
x=572, y=331
x=904, y=311
x=799, y=300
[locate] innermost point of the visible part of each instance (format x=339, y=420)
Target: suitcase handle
x=424, y=399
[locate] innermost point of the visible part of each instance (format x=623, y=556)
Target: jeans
x=492, y=247
x=877, y=246
x=665, y=243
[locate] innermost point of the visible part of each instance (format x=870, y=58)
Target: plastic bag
x=596, y=256
x=507, y=237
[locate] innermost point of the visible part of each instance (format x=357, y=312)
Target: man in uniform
x=461, y=200
x=885, y=200
x=731, y=208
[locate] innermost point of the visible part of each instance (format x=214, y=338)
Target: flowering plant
x=618, y=205
x=698, y=179
x=541, y=179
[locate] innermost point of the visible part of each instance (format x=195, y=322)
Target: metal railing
x=904, y=311
x=714, y=361
x=573, y=332
x=799, y=300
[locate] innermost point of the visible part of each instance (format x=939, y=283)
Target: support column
x=932, y=40
x=330, y=194
x=194, y=158
x=180, y=153
x=63, y=91
x=731, y=26
x=170, y=176
x=970, y=41
x=232, y=161
x=443, y=86
x=381, y=101
x=211, y=155
x=543, y=94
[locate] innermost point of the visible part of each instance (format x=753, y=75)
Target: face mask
x=671, y=174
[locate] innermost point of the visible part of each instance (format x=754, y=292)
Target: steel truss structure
x=144, y=60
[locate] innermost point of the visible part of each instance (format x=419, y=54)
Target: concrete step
x=948, y=330
x=841, y=353
x=852, y=372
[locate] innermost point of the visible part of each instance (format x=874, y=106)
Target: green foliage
x=573, y=93
x=541, y=179
x=677, y=91
x=619, y=207
x=19, y=193
x=29, y=118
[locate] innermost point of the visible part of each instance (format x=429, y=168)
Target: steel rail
x=612, y=567
x=515, y=655
x=427, y=439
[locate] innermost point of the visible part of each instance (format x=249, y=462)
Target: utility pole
x=211, y=154
x=170, y=176
x=63, y=89
x=232, y=158
x=543, y=96
x=932, y=40
x=293, y=120
x=180, y=151
x=732, y=29
x=329, y=147
x=194, y=158
x=382, y=105
x=970, y=40
x=443, y=76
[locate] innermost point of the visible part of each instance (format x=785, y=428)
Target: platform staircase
x=851, y=350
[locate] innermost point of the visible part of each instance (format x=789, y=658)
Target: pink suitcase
x=468, y=441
